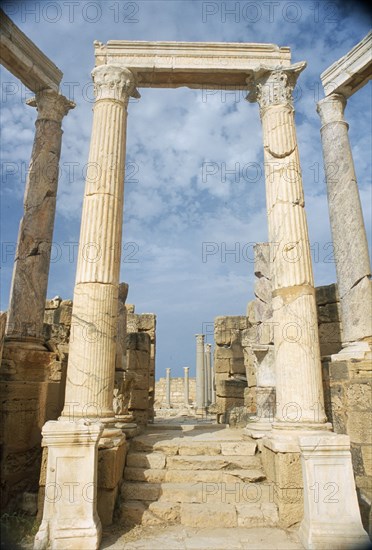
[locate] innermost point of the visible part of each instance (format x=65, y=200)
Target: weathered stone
x=110, y=466
x=149, y=460
x=359, y=427
x=203, y=515
x=106, y=500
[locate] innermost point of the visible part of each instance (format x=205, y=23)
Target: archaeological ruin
x=272, y=428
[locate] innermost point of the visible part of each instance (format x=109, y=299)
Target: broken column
x=31, y=266
x=258, y=347
x=351, y=254
x=200, y=378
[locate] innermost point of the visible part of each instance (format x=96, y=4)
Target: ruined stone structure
x=179, y=398
x=30, y=373
x=87, y=446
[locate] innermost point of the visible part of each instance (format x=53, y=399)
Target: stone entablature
x=350, y=73
x=23, y=58
x=192, y=64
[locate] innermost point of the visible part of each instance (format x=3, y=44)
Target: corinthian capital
x=331, y=109
x=114, y=82
x=274, y=86
x=51, y=105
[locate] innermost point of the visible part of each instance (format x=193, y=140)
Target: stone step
x=218, y=462
x=200, y=492
x=157, y=460
x=191, y=446
x=199, y=515
x=183, y=476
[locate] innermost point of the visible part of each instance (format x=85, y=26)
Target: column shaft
x=297, y=357
x=208, y=373
x=168, y=388
x=200, y=378
x=91, y=366
x=31, y=265
x=351, y=254
x=186, y=385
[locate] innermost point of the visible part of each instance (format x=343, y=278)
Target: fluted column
x=91, y=366
x=300, y=400
x=186, y=385
x=351, y=254
x=31, y=266
x=200, y=378
x=168, y=387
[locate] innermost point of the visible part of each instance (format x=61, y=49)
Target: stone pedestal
x=70, y=520
x=331, y=513
x=351, y=254
x=200, y=378
x=91, y=366
x=31, y=266
x=299, y=393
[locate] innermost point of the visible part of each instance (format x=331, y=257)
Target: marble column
x=300, y=402
x=351, y=255
x=200, y=378
x=168, y=388
x=186, y=385
x=31, y=266
x=91, y=365
x=208, y=373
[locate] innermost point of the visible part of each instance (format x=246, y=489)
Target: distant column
x=208, y=348
x=31, y=266
x=168, y=387
x=186, y=385
x=353, y=266
x=200, y=378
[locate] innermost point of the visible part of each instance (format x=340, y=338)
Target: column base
x=68, y=537
x=25, y=342
x=258, y=430
x=70, y=519
x=279, y=426
x=332, y=516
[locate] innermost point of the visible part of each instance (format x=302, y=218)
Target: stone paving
x=178, y=537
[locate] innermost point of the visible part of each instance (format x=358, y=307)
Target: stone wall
x=2, y=332
x=229, y=366
x=177, y=393
x=145, y=322
x=329, y=324
x=348, y=401
x=135, y=390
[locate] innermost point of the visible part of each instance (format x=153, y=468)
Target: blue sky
x=175, y=207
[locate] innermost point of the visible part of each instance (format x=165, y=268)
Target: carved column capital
x=114, y=82
x=331, y=109
x=51, y=105
x=274, y=86
x=199, y=339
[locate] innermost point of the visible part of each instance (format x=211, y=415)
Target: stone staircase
x=198, y=476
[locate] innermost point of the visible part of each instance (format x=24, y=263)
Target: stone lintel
x=192, y=64
x=351, y=72
x=24, y=60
